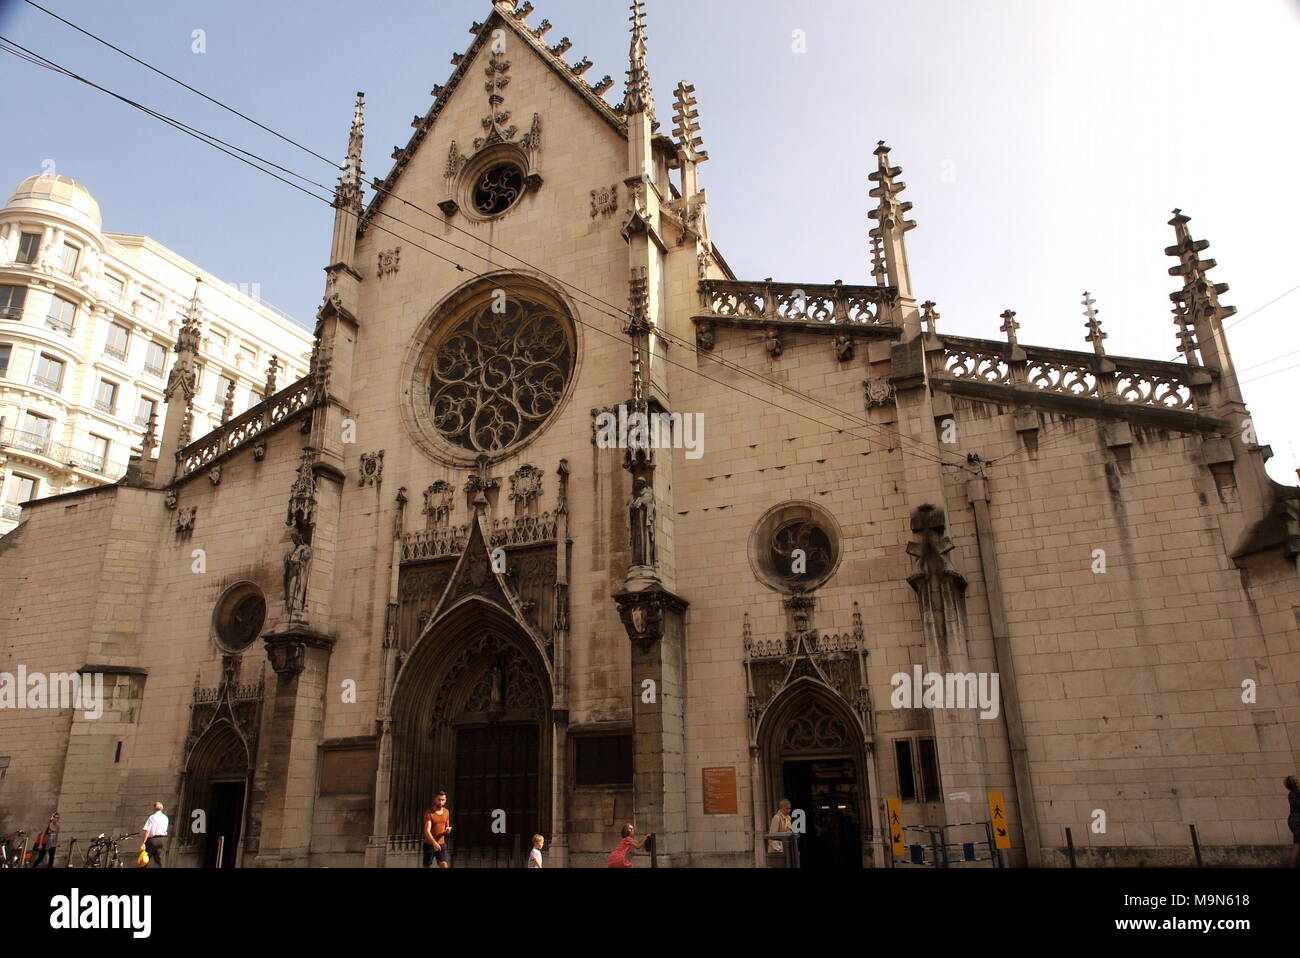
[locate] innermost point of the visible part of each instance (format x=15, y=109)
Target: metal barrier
x=935, y=847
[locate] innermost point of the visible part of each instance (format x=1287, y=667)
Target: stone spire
x=1095, y=335
x=182, y=381
x=347, y=195
x=891, y=226
x=1198, y=302
x=639, y=98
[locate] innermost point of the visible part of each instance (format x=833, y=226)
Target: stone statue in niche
x=642, y=515
x=297, y=563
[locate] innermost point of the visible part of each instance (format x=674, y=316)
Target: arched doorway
x=217, y=777
x=472, y=716
x=812, y=750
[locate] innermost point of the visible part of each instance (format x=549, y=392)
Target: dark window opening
x=906, y=775
x=603, y=760
x=929, y=770
x=498, y=189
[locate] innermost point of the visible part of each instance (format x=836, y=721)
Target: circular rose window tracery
x=498, y=189
x=499, y=374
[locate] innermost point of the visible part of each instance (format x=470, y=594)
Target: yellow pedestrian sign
x=895, y=809
x=998, y=820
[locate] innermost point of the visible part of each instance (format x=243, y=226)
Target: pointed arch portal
x=472, y=716
x=812, y=752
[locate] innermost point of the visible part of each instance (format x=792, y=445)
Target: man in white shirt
x=154, y=837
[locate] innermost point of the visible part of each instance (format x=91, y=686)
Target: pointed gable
x=503, y=17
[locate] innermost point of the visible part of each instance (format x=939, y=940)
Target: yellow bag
x=143, y=860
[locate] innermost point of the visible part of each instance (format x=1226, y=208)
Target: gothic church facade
x=423, y=566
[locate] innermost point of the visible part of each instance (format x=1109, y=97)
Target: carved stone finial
x=1095, y=335
x=347, y=195
x=1199, y=297
x=638, y=97
x=1009, y=326
x=272, y=368
x=150, y=436
x=929, y=316
x=686, y=119
x=228, y=407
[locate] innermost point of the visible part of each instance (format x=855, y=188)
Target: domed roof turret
x=60, y=196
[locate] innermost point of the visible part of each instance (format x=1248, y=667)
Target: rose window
x=498, y=376
x=814, y=546
x=498, y=189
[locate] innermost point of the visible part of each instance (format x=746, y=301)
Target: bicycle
x=15, y=856
x=103, y=852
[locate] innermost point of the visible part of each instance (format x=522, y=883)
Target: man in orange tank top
x=437, y=830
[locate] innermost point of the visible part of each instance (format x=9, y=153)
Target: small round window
x=801, y=553
x=240, y=616
x=497, y=189
x=795, y=547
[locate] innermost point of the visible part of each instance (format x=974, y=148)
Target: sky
x=1045, y=143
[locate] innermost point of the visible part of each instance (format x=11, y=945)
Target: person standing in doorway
x=618, y=858
x=46, y=841
x=153, y=839
x=781, y=824
x=1293, y=817
x=535, y=856
x=437, y=830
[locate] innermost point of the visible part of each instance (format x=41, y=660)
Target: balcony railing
x=34, y=442
x=154, y=370
x=142, y=421
x=11, y=512
x=1117, y=379
x=11, y=312
x=116, y=353
x=246, y=427
x=58, y=325
x=809, y=303
x=106, y=407
x=46, y=383
x=86, y=460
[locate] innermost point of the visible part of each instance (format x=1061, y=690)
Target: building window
x=97, y=458
x=148, y=309
x=106, y=397
x=155, y=359
x=218, y=344
x=61, y=316
x=906, y=774
x=929, y=770
x=34, y=436
x=21, y=489
x=247, y=359
x=12, y=299
x=70, y=256
x=49, y=372
x=29, y=247
x=144, y=408
x=498, y=189
x=118, y=339
x=240, y=615
x=116, y=291
x=6, y=351
x=602, y=760
x=918, y=770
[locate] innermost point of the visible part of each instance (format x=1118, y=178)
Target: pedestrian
x=437, y=830
x=618, y=858
x=46, y=841
x=153, y=837
x=781, y=824
x=535, y=856
x=1293, y=817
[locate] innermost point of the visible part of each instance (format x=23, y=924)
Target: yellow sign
x=998, y=819
x=895, y=810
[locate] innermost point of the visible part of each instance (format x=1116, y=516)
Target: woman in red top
x=618, y=858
